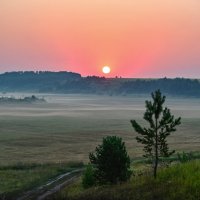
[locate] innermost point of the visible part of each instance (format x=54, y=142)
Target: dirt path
x=57, y=188
x=41, y=193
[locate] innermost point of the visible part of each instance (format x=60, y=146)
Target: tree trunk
x=155, y=168
x=156, y=151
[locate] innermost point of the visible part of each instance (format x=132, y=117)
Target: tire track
x=52, y=187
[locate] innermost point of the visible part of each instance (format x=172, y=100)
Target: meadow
x=68, y=127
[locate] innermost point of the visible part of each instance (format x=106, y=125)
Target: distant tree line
x=13, y=100
x=177, y=86
x=69, y=82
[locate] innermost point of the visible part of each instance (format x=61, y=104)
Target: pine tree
x=162, y=124
x=111, y=161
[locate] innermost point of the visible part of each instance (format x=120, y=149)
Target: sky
x=136, y=38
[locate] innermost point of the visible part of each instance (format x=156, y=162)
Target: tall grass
x=178, y=182
x=18, y=178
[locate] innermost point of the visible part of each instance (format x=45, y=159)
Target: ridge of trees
x=69, y=82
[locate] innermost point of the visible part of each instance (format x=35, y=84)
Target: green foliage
x=185, y=157
x=178, y=182
x=111, y=161
x=161, y=124
x=88, y=179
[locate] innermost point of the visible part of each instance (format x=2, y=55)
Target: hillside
x=178, y=182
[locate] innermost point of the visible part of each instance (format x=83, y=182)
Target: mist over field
x=67, y=127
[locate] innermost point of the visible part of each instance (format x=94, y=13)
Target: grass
x=19, y=178
x=178, y=182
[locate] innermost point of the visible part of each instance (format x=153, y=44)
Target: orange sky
x=137, y=38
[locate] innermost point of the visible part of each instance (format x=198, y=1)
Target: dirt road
x=52, y=187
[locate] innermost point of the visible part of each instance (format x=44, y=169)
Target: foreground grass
x=178, y=182
x=16, y=179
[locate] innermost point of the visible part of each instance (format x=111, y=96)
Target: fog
x=83, y=105
x=73, y=125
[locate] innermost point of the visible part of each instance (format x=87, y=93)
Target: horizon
x=135, y=38
x=101, y=76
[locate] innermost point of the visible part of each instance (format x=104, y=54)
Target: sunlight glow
x=106, y=69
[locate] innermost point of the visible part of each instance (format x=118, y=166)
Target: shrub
x=185, y=157
x=88, y=179
x=111, y=161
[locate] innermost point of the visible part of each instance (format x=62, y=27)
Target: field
x=68, y=127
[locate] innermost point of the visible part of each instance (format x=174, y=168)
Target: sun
x=106, y=69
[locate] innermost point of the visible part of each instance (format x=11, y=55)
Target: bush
x=88, y=179
x=111, y=161
x=185, y=157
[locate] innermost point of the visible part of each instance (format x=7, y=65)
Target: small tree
x=111, y=161
x=162, y=123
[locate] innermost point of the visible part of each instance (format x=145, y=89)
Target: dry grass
x=70, y=126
